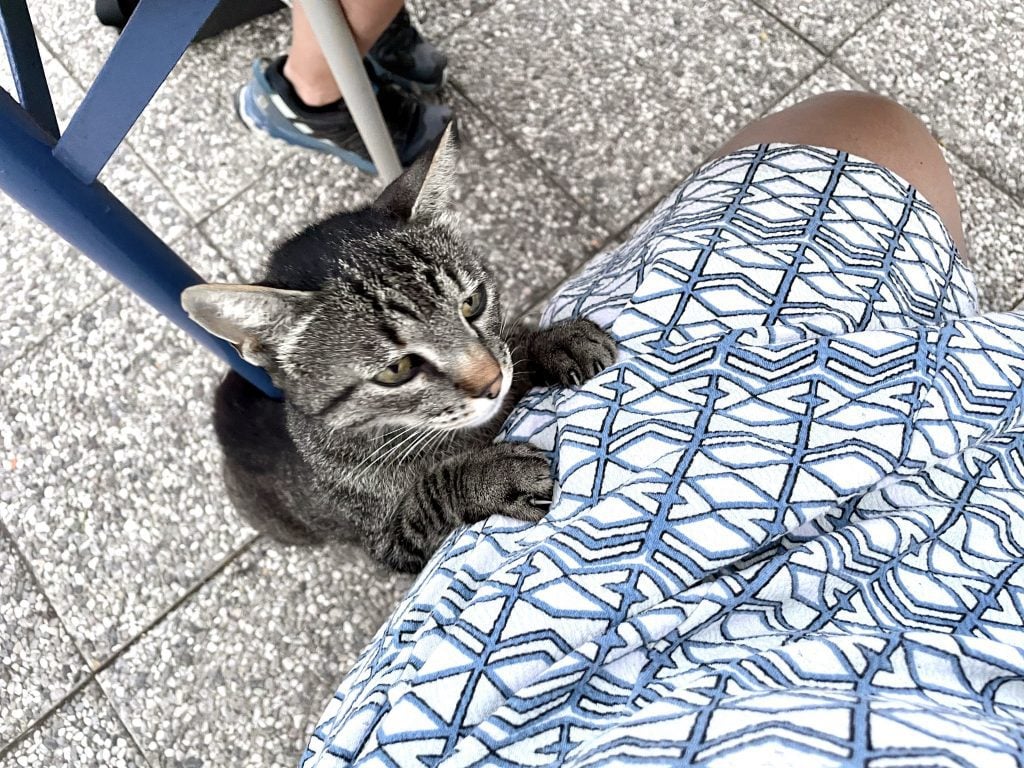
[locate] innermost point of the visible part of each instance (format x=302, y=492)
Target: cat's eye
x=474, y=304
x=399, y=372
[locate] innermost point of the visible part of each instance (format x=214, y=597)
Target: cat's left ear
x=256, y=319
x=424, y=191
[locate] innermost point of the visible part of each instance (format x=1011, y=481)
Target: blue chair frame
x=54, y=176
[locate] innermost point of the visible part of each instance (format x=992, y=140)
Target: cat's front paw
x=514, y=479
x=570, y=352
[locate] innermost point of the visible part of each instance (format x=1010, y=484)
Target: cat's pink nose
x=479, y=375
x=491, y=390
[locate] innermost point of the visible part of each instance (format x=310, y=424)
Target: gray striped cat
x=385, y=333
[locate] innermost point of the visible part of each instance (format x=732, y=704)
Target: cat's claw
x=571, y=352
x=518, y=476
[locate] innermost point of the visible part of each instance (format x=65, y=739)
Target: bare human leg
x=872, y=127
x=306, y=67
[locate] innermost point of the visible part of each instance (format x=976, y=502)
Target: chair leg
x=96, y=223
x=339, y=47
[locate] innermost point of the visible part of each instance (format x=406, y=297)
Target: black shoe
x=401, y=56
x=268, y=103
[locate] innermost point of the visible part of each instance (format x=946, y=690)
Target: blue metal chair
x=54, y=176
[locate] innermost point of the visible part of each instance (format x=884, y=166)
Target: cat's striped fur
x=347, y=307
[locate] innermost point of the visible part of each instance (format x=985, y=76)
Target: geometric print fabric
x=789, y=519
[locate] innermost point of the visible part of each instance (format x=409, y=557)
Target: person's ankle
x=317, y=91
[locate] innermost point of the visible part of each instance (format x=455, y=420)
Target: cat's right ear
x=257, y=320
x=424, y=191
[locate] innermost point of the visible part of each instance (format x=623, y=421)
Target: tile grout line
x=34, y=347
x=194, y=219
x=5, y=532
x=132, y=738
x=707, y=157
x=207, y=578
x=759, y=4
x=36, y=724
x=124, y=142
x=178, y=602
x=93, y=673
x=537, y=165
x=856, y=77
x=946, y=147
x=471, y=18
x=594, y=215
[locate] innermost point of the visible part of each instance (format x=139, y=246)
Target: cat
x=385, y=334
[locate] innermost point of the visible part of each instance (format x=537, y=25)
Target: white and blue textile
x=789, y=529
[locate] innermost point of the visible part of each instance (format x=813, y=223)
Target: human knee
x=870, y=114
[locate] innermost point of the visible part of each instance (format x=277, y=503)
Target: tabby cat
x=385, y=333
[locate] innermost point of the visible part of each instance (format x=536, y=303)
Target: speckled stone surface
x=620, y=100
x=994, y=227
x=959, y=64
x=126, y=174
x=39, y=663
x=213, y=156
x=529, y=231
x=827, y=78
x=43, y=282
x=84, y=732
x=523, y=224
x=111, y=484
x=825, y=23
x=302, y=188
x=437, y=19
x=239, y=675
x=577, y=118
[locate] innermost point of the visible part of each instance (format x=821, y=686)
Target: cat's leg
x=566, y=353
x=500, y=479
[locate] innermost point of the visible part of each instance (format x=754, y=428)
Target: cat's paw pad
x=569, y=353
x=519, y=477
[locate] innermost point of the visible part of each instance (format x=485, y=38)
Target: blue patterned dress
x=789, y=523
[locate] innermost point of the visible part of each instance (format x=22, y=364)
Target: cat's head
x=399, y=326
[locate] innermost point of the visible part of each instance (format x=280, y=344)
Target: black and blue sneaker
x=269, y=104
x=402, y=56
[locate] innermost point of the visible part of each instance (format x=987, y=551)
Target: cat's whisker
x=397, y=435
x=407, y=442
x=372, y=465
x=398, y=439
x=411, y=451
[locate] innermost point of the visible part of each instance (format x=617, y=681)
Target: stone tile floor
x=140, y=623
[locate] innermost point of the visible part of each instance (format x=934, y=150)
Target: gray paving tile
x=827, y=78
x=258, y=651
x=113, y=491
x=70, y=29
x=439, y=18
x=84, y=732
x=957, y=65
x=210, y=156
x=303, y=188
x=621, y=99
x=826, y=23
x=39, y=663
x=994, y=226
x=529, y=231
x=43, y=281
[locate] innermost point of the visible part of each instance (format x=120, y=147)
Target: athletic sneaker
x=401, y=56
x=268, y=103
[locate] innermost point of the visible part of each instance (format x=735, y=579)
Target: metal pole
x=339, y=47
x=97, y=224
